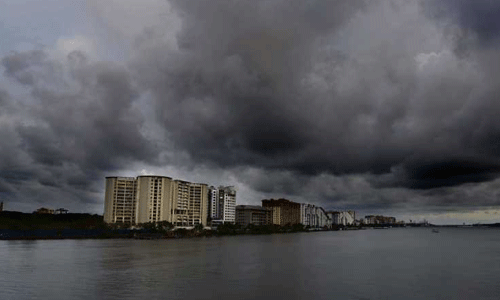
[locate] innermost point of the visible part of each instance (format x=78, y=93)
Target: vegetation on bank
x=17, y=225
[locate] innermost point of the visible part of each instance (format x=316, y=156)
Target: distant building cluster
x=143, y=199
x=151, y=198
x=374, y=220
x=50, y=211
x=285, y=212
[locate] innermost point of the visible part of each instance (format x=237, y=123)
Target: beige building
x=285, y=212
x=155, y=198
x=189, y=203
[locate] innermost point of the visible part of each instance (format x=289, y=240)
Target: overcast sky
x=383, y=106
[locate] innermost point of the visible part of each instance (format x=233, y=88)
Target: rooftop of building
x=256, y=207
x=156, y=176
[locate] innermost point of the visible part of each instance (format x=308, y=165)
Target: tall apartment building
x=222, y=204
x=189, y=203
x=155, y=198
x=120, y=200
x=285, y=212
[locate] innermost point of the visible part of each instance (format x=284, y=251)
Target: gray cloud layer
x=373, y=104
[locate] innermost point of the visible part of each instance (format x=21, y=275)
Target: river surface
x=411, y=263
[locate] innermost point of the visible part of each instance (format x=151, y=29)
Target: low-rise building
x=253, y=214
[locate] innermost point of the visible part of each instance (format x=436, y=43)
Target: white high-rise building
x=313, y=216
x=222, y=204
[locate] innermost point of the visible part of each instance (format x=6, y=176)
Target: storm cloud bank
x=365, y=104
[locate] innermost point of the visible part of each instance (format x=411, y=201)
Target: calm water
x=369, y=264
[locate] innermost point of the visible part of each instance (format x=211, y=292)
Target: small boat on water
x=435, y=231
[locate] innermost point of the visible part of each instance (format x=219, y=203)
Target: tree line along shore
x=26, y=226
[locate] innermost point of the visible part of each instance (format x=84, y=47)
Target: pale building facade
x=314, y=216
x=120, y=200
x=189, y=203
x=222, y=204
x=343, y=217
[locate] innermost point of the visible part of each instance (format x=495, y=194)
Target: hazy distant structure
x=120, y=200
x=374, y=220
x=44, y=210
x=222, y=204
x=155, y=198
x=253, y=214
x=285, y=212
x=1, y=206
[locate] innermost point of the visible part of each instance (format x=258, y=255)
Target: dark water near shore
x=412, y=263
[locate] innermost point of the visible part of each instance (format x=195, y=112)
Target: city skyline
x=383, y=107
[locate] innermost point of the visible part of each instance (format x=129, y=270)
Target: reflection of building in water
x=155, y=198
x=253, y=214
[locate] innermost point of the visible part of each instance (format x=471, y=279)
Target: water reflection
x=392, y=264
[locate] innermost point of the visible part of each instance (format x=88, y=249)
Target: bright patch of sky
x=29, y=24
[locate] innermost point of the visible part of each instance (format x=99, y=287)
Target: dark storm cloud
x=232, y=93
x=480, y=16
x=78, y=122
x=341, y=103
x=268, y=84
x=449, y=171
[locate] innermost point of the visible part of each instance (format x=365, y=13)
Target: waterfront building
x=155, y=198
x=222, y=204
x=120, y=200
x=314, y=216
x=285, y=212
x=344, y=218
x=190, y=203
x=253, y=214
